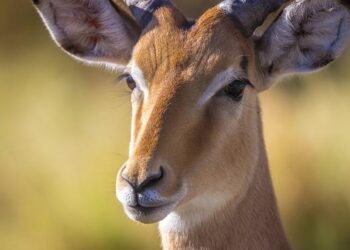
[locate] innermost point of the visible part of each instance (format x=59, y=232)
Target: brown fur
x=215, y=191
x=177, y=71
x=252, y=224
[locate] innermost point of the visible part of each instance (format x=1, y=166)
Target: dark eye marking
x=129, y=80
x=235, y=89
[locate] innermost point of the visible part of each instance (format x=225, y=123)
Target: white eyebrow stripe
x=220, y=80
x=137, y=74
x=138, y=77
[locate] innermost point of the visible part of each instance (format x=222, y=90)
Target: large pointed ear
x=308, y=35
x=93, y=31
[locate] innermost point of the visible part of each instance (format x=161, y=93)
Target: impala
x=197, y=161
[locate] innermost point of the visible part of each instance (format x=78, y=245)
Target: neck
x=254, y=223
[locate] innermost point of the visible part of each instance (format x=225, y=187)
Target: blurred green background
x=64, y=131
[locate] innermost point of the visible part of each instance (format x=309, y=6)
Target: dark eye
x=130, y=82
x=235, y=89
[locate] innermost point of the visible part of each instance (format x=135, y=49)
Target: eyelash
x=122, y=77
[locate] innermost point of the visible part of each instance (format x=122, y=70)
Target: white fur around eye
x=138, y=77
x=219, y=81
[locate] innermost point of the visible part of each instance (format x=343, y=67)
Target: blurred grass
x=64, y=132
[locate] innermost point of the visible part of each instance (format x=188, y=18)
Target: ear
x=308, y=35
x=93, y=31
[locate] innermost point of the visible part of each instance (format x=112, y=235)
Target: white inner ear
x=219, y=81
x=90, y=31
x=307, y=36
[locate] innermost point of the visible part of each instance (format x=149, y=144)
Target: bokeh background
x=64, y=131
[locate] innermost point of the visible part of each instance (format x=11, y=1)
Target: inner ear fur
x=308, y=35
x=93, y=31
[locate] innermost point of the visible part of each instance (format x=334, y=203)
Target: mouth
x=148, y=215
x=148, y=206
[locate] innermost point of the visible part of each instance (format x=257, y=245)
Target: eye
x=130, y=82
x=235, y=89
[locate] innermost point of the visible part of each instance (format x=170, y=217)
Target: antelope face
x=196, y=135
x=191, y=90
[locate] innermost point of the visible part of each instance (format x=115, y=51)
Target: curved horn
x=142, y=9
x=250, y=14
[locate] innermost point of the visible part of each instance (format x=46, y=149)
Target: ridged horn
x=250, y=14
x=142, y=10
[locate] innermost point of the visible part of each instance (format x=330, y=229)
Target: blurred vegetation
x=64, y=132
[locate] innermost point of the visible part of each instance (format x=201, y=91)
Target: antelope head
x=196, y=133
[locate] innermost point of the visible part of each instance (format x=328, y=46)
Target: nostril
x=122, y=174
x=147, y=182
x=126, y=178
x=151, y=180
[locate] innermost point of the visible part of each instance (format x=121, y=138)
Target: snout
x=145, y=194
x=142, y=194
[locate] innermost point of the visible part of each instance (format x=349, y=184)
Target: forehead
x=169, y=50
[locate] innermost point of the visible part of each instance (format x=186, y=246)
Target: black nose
x=149, y=181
